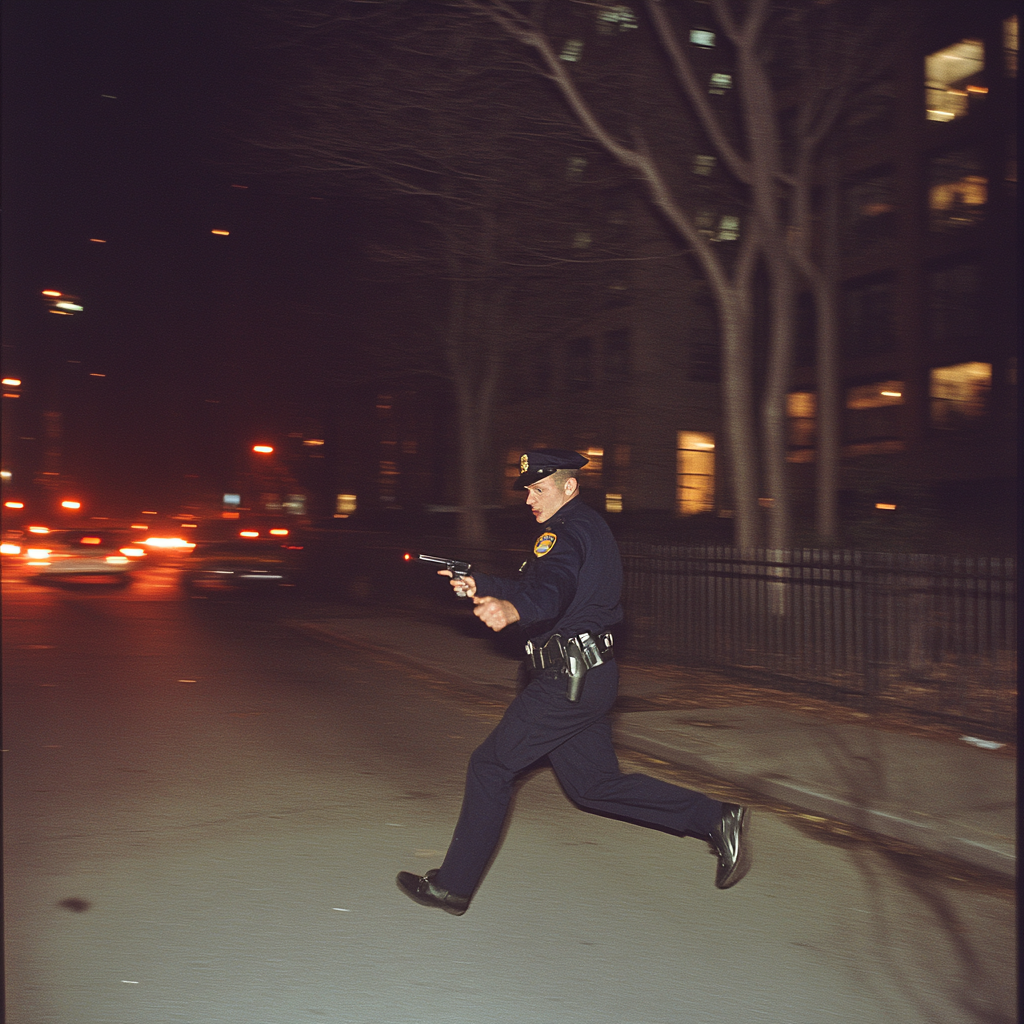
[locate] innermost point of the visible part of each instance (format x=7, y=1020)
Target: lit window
x=801, y=410
x=575, y=167
x=720, y=84
x=613, y=503
x=572, y=51
x=345, y=504
x=728, y=229
x=959, y=394
x=952, y=79
x=703, y=164
x=1010, y=46
x=695, y=472
x=618, y=18
x=957, y=191
x=702, y=37
x=874, y=396
x=581, y=240
x=595, y=464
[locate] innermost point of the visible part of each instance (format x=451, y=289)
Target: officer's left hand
x=495, y=613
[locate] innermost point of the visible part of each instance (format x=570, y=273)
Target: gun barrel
x=453, y=565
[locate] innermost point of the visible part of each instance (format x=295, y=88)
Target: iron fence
x=935, y=633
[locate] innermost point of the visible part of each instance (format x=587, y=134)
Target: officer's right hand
x=464, y=587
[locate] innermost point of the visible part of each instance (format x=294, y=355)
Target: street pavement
x=945, y=796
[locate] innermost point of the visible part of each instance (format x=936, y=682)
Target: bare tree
x=418, y=112
x=777, y=159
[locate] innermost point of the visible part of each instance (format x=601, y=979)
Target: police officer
x=566, y=598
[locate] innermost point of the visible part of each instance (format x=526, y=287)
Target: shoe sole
x=427, y=899
x=742, y=865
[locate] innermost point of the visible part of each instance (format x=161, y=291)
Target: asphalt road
x=205, y=811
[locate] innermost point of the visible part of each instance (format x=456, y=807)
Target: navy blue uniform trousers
x=577, y=740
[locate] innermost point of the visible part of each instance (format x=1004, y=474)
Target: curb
x=923, y=834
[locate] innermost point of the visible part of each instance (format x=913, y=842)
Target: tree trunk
x=736, y=320
x=829, y=411
x=773, y=411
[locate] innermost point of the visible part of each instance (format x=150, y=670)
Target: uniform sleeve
x=547, y=587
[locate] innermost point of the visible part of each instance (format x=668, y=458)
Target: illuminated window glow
x=874, y=396
x=958, y=191
x=801, y=413
x=949, y=75
x=695, y=472
x=618, y=17
x=958, y=394
x=572, y=51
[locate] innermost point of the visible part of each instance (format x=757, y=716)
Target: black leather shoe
x=729, y=841
x=425, y=891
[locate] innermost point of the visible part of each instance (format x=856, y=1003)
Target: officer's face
x=546, y=497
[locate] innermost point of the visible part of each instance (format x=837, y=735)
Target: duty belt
x=574, y=655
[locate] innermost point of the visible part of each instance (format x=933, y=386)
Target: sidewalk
x=946, y=797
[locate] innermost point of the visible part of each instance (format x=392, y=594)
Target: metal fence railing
x=936, y=633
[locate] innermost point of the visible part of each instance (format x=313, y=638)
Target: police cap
x=542, y=462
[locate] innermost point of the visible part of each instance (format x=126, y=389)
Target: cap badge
x=545, y=542
x=524, y=464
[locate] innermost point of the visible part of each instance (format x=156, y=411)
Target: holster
x=573, y=656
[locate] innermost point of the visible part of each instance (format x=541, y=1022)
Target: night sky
x=206, y=342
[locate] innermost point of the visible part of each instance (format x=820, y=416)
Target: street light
x=263, y=449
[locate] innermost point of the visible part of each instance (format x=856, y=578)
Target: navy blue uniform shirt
x=572, y=582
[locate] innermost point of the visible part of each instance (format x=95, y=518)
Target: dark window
x=705, y=358
x=869, y=209
x=616, y=355
x=579, y=363
x=867, y=308
x=954, y=306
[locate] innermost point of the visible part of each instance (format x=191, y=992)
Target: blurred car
x=251, y=561
x=79, y=555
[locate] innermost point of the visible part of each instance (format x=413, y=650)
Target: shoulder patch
x=545, y=542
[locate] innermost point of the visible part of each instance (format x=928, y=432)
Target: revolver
x=453, y=565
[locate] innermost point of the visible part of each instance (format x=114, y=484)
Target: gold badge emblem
x=545, y=542
x=524, y=464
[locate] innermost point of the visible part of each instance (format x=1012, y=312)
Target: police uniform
x=568, y=598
